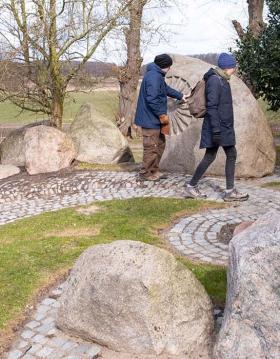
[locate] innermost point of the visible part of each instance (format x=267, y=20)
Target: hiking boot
x=160, y=175
x=235, y=196
x=151, y=177
x=194, y=192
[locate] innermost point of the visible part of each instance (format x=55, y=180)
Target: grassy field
x=105, y=102
x=34, y=250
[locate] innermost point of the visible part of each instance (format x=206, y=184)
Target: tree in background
x=139, y=32
x=258, y=55
x=256, y=23
x=47, y=43
x=130, y=73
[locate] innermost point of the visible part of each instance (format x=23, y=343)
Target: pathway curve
x=194, y=236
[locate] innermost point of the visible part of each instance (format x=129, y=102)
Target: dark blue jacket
x=152, y=100
x=219, y=114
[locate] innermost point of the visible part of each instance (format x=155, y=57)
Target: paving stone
x=93, y=352
x=27, y=334
x=44, y=352
x=33, y=324
x=39, y=339
x=45, y=328
x=35, y=348
x=16, y=354
x=48, y=301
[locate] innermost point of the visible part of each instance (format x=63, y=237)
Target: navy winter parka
x=152, y=100
x=219, y=112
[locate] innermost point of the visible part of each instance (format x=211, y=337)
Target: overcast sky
x=204, y=26
x=194, y=27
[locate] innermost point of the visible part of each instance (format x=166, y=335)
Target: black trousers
x=209, y=157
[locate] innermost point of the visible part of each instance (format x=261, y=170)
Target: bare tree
x=46, y=45
x=256, y=23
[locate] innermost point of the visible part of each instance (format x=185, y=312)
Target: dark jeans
x=209, y=157
x=153, y=146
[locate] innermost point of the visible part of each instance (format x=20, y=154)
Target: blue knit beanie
x=226, y=61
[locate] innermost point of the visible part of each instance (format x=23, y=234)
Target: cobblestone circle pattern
x=194, y=236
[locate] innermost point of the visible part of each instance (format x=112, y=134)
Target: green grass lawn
x=33, y=250
x=105, y=102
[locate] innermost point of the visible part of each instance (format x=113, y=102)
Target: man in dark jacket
x=151, y=115
x=218, y=128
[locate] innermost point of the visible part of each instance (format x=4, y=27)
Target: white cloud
x=203, y=26
x=191, y=27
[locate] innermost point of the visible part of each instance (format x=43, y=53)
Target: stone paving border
x=40, y=338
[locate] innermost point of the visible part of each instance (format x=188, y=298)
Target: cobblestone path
x=194, y=236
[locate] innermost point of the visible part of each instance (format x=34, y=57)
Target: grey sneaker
x=235, y=196
x=194, y=192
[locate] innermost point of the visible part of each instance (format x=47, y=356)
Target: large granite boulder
x=133, y=297
x=12, y=150
x=251, y=326
x=255, y=147
x=47, y=149
x=97, y=138
x=8, y=170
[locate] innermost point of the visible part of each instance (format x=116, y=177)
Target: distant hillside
x=211, y=58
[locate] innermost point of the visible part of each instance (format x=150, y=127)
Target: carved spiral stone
x=178, y=111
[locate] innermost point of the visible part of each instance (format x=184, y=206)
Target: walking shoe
x=149, y=178
x=235, y=196
x=194, y=192
x=160, y=175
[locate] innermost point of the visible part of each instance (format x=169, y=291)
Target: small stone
x=35, y=348
x=15, y=354
x=33, y=324
x=94, y=352
x=40, y=339
x=45, y=328
x=69, y=345
x=27, y=334
x=48, y=301
x=58, y=342
x=21, y=344
x=45, y=352
x=40, y=316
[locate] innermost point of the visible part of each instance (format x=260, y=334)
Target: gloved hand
x=165, y=129
x=216, y=138
x=164, y=119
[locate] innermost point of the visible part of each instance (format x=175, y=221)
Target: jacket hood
x=153, y=67
x=209, y=73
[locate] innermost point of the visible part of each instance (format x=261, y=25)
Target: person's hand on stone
x=164, y=119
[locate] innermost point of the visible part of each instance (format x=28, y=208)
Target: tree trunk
x=256, y=23
x=57, y=112
x=129, y=74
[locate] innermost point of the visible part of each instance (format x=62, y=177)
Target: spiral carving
x=178, y=111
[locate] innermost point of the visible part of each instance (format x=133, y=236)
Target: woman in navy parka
x=218, y=128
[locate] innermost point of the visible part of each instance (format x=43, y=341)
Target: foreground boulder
x=255, y=146
x=12, y=148
x=97, y=139
x=47, y=149
x=133, y=297
x=8, y=170
x=251, y=326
